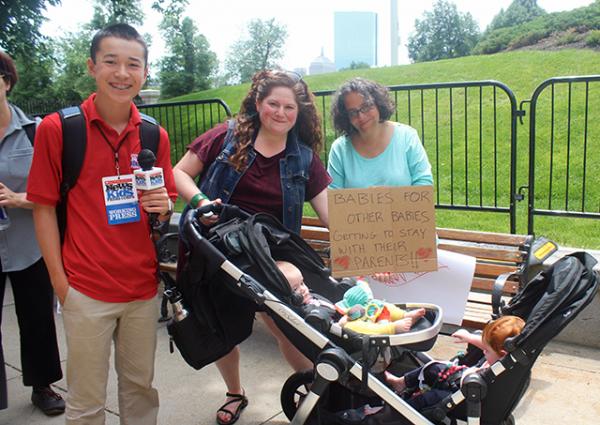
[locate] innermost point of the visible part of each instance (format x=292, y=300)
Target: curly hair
x=8, y=70
x=495, y=332
x=308, y=123
x=371, y=91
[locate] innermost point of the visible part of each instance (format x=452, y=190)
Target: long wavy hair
x=308, y=123
x=370, y=91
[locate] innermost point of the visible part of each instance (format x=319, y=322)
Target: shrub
x=528, y=39
x=569, y=37
x=593, y=39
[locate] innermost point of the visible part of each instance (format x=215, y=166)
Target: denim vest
x=221, y=178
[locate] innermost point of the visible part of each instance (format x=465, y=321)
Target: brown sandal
x=238, y=411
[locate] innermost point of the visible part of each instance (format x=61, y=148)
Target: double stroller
x=228, y=272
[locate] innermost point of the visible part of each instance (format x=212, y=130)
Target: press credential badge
x=120, y=199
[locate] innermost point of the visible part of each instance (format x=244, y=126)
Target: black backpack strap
x=149, y=133
x=73, y=154
x=30, y=131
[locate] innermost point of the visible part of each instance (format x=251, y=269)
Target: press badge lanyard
x=112, y=148
x=120, y=194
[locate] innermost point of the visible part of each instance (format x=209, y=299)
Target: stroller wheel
x=294, y=390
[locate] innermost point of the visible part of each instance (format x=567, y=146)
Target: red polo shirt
x=111, y=263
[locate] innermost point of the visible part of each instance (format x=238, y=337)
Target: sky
x=309, y=23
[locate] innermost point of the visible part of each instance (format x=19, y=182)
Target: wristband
x=196, y=199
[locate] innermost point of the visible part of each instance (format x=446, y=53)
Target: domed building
x=321, y=65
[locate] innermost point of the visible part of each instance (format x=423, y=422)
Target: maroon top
x=259, y=189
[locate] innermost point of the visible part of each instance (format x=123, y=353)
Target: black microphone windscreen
x=146, y=159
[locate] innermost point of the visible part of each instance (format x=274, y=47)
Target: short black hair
x=8, y=70
x=369, y=90
x=123, y=31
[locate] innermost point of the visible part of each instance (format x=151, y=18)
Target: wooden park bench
x=499, y=257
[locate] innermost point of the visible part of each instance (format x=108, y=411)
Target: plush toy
x=358, y=304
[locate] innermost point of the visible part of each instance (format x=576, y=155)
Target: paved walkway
x=565, y=386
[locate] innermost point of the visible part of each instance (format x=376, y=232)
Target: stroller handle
x=228, y=210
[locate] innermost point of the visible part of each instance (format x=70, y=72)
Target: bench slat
x=316, y=233
x=486, y=285
x=512, y=255
x=311, y=221
x=493, y=270
x=482, y=237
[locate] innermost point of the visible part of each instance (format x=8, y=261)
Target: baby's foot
x=397, y=383
x=415, y=314
x=403, y=325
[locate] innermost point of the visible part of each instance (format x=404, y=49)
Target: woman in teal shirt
x=373, y=151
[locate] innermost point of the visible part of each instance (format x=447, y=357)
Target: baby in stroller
x=428, y=384
x=351, y=307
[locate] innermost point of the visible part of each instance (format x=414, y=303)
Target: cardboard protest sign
x=382, y=229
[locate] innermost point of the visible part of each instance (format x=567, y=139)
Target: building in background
x=355, y=38
x=300, y=71
x=394, y=32
x=321, y=65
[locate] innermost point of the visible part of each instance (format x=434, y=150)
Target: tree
x=116, y=11
x=443, y=33
x=190, y=62
x=20, y=23
x=261, y=50
x=357, y=65
x=73, y=83
x=35, y=88
x=519, y=12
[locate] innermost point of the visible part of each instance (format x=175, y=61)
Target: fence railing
x=184, y=121
x=564, y=149
x=469, y=132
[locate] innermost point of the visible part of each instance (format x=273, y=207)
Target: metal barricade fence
x=564, y=149
x=469, y=132
x=184, y=121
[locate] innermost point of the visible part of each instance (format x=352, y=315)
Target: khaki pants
x=90, y=327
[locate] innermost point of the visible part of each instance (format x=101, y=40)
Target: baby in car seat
x=360, y=312
x=436, y=380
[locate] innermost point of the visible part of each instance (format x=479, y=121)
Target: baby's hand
x=461, y=335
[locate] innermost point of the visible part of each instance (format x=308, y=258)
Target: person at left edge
x=20, y=257
x=104, y=274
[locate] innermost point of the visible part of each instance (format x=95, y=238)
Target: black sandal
x=238, y=411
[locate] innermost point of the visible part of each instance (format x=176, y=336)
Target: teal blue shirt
x=403, y=163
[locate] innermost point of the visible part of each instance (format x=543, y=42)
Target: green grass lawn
x=456, y=142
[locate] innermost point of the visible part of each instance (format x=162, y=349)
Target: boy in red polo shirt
x=104, y=274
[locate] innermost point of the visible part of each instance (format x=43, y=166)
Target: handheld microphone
x=148, y=177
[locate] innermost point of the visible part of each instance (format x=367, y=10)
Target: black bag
x=192, y=339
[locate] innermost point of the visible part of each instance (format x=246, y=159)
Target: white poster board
x=447, y=287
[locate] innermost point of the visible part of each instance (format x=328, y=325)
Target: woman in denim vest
x=264, y=161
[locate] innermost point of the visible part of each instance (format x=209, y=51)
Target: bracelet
x=196, y=199
x=170, y=208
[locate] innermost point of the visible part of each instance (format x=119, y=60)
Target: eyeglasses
x=366, y=107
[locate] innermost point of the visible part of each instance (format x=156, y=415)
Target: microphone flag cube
x=149, y=179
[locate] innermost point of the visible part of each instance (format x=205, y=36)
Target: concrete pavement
x=565, y=386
